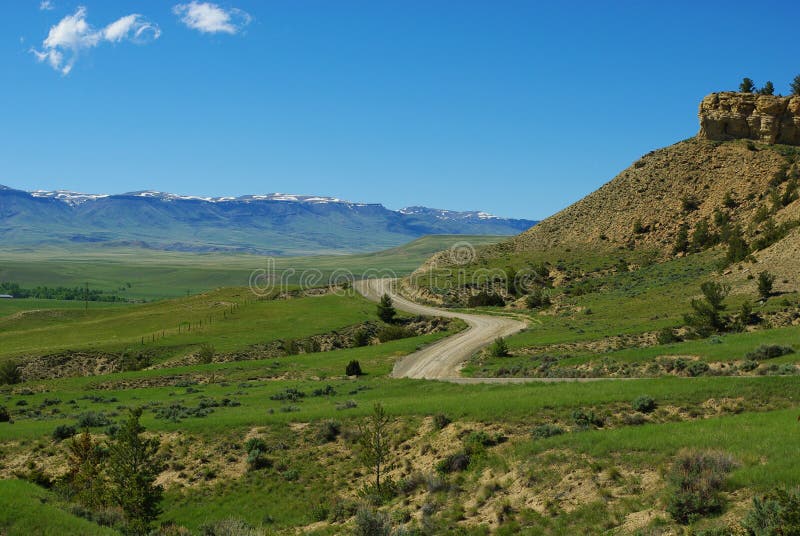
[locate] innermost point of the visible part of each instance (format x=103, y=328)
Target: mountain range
x=276, y=224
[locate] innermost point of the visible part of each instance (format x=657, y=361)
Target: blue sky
x=515, y=108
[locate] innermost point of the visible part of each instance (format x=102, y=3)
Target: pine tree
x=768, y=89
x=386, y=310
x=374, y=439
x=765, y=283
x=85, y=476
x=747, y=86
x=682, y=240
x=133, y=470
x=795, y=85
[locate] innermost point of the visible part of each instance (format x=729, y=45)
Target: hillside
x=747, y=183
x=275, y=224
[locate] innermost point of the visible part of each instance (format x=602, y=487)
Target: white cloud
x=73, y=34
x=207, y=17
x=46, y=5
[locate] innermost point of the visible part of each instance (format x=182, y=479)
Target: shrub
x=9, y=372
x=644, y=404
x=289, y=394
x=255, y=443
x=769, y=351
x=765, y=283
x=696, y=479
x=206, y=353
x=361, y=338
x=775, y=513
x=62, y=432
x=369, y=522
x=499, y=348
x=92, y=419
x=544, y=431
x=5, y=416
x=257, y=460
x=667, y=336
x=328, y=431
x=440, y=421
x=690, y=204
x=386, y=310
x=353, y=368
x=639, y=228
x=453, y=463
x=697, y=368
x=230, y=527
x=584, y=419
x=319, y=512
x=537, y=299
x=393, y=333
x=485, y=299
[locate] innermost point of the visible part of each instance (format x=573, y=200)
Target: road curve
x=442, y=360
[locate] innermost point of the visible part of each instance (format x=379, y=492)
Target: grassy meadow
x=565, y=457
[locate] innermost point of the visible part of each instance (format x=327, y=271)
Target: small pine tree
x=353, y=368
x=84, y=478
x=682, y=239
x=132, y=470
x=375, y=441
x=707, y=316
x=795, y=85
x=768, y=89
x=747, y=85
x=738, y=249
x=702, y=237
x=386, y=310
x=499, y=348
x=511, y=281
x=765, y=283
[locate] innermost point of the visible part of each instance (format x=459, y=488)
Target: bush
x=765, y=283
x=393, y=333
x=585, y=419
x=386, y=310
x=230, y=527
x=644, y=404
x=206, y=353
x=697, y=368
x=667, y=336
x=538, y=299
x=5, y=416
x=769, y=351
x=361, y=338
x=353, y=368
x=440, y=421
x=453, y=463
x=328, y=431
x=499, y=348
x=62, y=432
x=544, y=431
x=696, y=479
x=371, y=523
x=92, y=419
x=689, y=204
x=9, y=373
x=777, y=512
x=485, y=299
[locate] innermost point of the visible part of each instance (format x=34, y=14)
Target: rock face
x=764, y=118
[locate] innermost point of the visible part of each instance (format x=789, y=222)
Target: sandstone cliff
x=764, y=118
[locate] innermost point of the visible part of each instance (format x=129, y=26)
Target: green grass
x=160, y=274
x=27, y=509
x=119, y=328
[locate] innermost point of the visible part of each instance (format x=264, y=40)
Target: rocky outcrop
x=765, y=118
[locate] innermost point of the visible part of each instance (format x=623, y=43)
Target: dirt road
x=442, y=360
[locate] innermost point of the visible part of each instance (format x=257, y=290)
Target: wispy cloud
x=207, y=17
x=46, y=5
x=72, y=35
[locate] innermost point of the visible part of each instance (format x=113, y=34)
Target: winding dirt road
x=442, y=360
